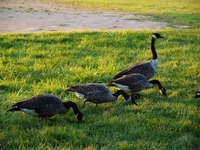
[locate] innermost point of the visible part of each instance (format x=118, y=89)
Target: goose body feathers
x=45, y=106
x=147, y=69
x=97, y=93
x=136, y=82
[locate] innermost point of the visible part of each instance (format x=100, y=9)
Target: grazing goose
x=136, y=82
x=148, y=68
x=45, y=105
x=97, y=93
x=197, y=94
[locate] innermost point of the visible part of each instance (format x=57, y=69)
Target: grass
x=184, y=12
x=143, y=6
x=31, y=64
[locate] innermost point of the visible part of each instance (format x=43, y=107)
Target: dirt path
x=37, y=15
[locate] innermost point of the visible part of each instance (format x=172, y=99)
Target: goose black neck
x=156, y=82
x=121, y=92
x=153, y=49
x=73, y=105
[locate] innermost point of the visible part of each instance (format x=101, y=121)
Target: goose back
x=93, y=92
x=147, y=69
x=44, y=105
x=132, y=82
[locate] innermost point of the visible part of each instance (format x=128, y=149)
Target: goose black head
x=157, y=36
x=131, y=100
x=79, y=116
x=163, y=92
x=196, y=94
x=77, y=112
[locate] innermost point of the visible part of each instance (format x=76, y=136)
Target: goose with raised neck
x=147, y=68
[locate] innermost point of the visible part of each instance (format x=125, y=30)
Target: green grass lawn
x=36, y=63
x=184, y=12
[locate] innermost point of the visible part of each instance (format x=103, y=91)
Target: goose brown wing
x=129, y=79
x=144, y=68
x=138, y=85
x=136, y=82
x=92, y=90
x=98, y=91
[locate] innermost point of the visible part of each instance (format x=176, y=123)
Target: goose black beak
x=161, y=37
x=165, y=95
x=133, y=101
x=163, y=92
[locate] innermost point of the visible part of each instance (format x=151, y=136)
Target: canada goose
x=197, y=94
x=136, y=82
x=148, y=68
x=45, y=106
x=97, y=93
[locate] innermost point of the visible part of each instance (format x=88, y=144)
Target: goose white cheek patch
x=129, y=99
x=154, y=36
x=161, y=91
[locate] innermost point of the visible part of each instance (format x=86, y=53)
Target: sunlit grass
x=31, y=64
x=184, y=12
x=143, y=6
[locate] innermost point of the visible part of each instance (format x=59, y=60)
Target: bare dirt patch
x=37, y=15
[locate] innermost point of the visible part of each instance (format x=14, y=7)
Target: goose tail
x=110, y=84
x=71, y=89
